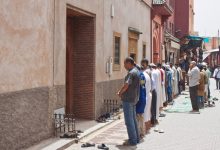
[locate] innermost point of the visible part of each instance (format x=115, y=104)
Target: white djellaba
x=147, y=110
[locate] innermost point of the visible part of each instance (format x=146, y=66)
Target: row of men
x=145, y=91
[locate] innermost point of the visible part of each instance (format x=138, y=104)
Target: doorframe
x=92, y=15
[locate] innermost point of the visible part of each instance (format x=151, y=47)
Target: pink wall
x=182, y=17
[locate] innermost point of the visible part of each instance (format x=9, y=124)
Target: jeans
x=200, y=100
x=193, y=96
x=131, y=122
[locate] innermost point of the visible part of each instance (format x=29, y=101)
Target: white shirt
x=194, y=76
x=216, y=73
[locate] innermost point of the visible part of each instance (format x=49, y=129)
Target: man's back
x=147, y=83
x=133, y=80
x=194, y=76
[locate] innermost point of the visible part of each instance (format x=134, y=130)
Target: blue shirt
x=140, y=106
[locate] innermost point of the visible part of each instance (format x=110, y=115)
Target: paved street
x=183, y=131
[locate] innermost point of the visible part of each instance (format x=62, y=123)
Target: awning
x=207, y=53
x=175, y=45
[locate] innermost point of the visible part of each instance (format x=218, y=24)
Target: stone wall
x=106, y=90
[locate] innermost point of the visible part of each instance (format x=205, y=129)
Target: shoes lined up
x=101, y=146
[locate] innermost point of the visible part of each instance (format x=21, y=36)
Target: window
x=116, y=51
x=144, y=51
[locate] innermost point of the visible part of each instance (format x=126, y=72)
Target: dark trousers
x=179, y=87
x=154, y=107
x=193, y=96
x=170, y=99
x=209, y=93
x=218, y=84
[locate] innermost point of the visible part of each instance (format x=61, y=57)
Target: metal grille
x=64, y=123
x=112, y=108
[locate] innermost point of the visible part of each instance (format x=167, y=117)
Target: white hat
x=152, y=65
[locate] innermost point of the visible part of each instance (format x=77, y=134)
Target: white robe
x=159, y=92
x=175, y=82
x=147, y=110
x=163, y=88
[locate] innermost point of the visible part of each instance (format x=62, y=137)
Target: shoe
x=103, y=146
x=162, y=115
x=161, y=131
x=194, y=112
x=156, y=130
x=127, y=143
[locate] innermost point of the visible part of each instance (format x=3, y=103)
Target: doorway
x=80, y=64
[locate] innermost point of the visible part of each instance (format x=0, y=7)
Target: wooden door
x=133, y=45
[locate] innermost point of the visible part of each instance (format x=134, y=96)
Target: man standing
x=140, y=106
x=201, y=87
x=180, y=79
x=147, y=111
x=169, y=84
x=129, y=94
x=154, y=106
x=216, y=75
x=163, y=78
x=209, y=76
x=194, y=76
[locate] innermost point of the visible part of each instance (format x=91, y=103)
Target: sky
x=207, y=17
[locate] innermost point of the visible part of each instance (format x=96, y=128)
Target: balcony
x=163, y=7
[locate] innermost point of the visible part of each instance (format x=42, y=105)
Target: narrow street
x=182, y=131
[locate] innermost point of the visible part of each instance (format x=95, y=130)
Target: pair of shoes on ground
x=101, y=146
x=70, y=135
x=158, y=130
x=215, y=99
x=103, y=118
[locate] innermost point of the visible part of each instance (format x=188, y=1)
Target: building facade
x=172, y=46
x=161, y=11
x=184, y=18
x=213, y=59
x=64, y=56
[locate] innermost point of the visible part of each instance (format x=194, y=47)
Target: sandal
x=87, y=145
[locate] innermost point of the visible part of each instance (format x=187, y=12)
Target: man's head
x=200, y=66
x=152, y=65
x=171, y=65
x=176, y=65
x=129, y=63
x=144, y=63
x=204, y=65
x=192, y=64
x=159, y=65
